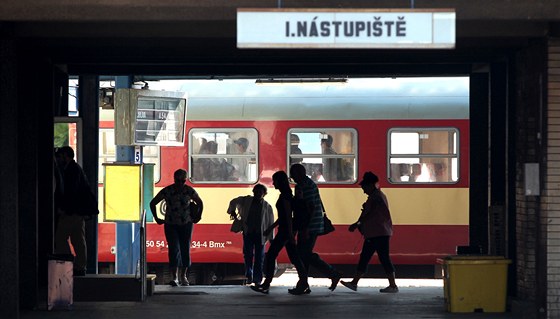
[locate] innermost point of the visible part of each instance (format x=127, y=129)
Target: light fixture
x=302, y=81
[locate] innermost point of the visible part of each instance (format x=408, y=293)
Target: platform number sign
x=137, y=154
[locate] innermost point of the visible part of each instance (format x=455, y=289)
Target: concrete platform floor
x=416, y=299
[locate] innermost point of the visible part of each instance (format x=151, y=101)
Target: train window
x=107, y=153
x=223, y=155
x=151, y=155
x=106, y=150
x=420, y=155
x=328, y=154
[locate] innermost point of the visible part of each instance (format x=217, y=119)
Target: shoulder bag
x=196, y=214
x=328, y=227
x=236, y=226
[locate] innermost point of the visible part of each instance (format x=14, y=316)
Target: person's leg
x=173, y=251
x=391, y=278
x=270, y=260
x=184, y=233
x=304, y=247
x=78, y=240
x=188, y=241
x=259, y=259
x=302, y=286
x=368, y=249
x=382, y=246
x=61, y=235
x=315, y=260
x=248, y=256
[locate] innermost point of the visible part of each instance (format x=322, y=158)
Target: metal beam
x=195, y=10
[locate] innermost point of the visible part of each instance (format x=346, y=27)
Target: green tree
x=61, y=137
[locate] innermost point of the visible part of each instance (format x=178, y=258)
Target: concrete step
x=110, y=287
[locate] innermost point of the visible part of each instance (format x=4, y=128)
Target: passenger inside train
x=294, y=149
x=241, y=164
x=210, y=169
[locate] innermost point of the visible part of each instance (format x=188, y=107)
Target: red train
x=412, y=132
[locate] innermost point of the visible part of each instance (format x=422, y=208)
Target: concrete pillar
x=88, y=102
x=478, y=193
x=35, y=173
x=9, y=252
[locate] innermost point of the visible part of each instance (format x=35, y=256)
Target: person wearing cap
x=178, y=225
x=377, y=228
x=243, y=144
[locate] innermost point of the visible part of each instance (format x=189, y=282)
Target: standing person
x=178, y=225
x=377, y=228
x=294, y=149
x=330, y=165
x=307, y=237
x=209, y=168
x=284, y=238
x=71, y=209
x=241, y=164
x=257, y=216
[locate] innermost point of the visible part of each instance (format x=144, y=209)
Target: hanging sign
x=147, y=117
x=346, y=28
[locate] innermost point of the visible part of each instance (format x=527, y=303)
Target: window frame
x=354, y=155
x=192, y=156
x=427, y=155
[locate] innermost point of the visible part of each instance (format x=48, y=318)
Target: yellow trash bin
x=475, y=283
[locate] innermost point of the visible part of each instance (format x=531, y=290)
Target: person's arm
x=270, y=228
x=232, y=208
x=366, y=207
x=288, y=211
x=269, y=231
x=270, y=220
x=158, y=198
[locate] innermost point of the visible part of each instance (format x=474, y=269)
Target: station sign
x=346, y=28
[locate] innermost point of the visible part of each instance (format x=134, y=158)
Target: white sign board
x=346, y=28
x=532, y=181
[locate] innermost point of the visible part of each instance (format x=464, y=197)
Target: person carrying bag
x=252, y=215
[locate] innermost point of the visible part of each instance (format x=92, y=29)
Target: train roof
x=358, y=98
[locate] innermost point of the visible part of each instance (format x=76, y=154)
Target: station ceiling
x=194, y=36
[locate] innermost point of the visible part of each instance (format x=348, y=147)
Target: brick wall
x=538, y=220
x=551, y=194
x=528, y=120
